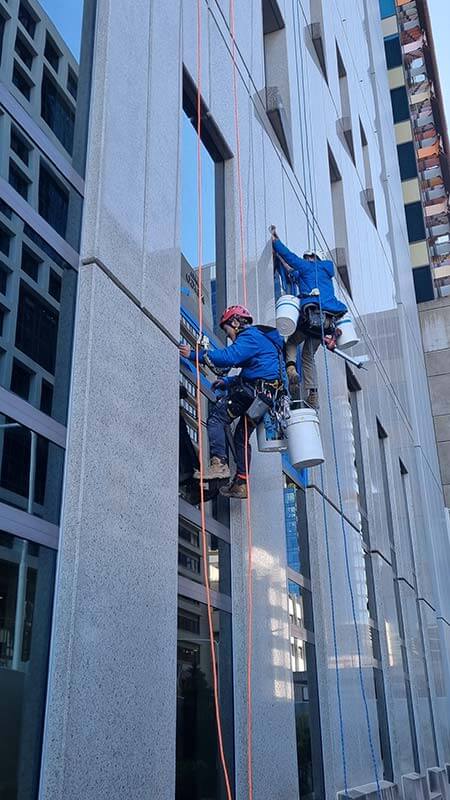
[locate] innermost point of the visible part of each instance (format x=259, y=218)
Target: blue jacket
x=309, y=275
x=258, y=350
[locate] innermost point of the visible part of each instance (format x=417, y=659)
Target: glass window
x=387, y=8
x=414, y=221
x=57, y=112
x=400, y=105
x=20, y=80
x=46, y=397
x=27, y=574
x=2, y=32
x=72, y=83
x=53, y=201
x=407, y=161
x=393, y=51
x=296, y=527
x=213, y=280
x=37, y=328
x=31, y=471
x=21, y=379
x=27, y=18
x=4, y=273
x=5, y=240
x=30, y=263
x=198, y=769
x=20, y=146
x=18, y=180
x=51, y=53
x=23, y=50
x=423, y=284
x=190, y=558
x=54, y=285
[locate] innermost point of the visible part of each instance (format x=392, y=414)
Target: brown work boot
x=237, y=489
x=218, y=469
x=313, y=399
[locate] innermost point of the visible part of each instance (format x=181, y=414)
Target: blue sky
x=67, y=16
x=440, y=22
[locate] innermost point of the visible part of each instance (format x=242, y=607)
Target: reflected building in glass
x=106, y=671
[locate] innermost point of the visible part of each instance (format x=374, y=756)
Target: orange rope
x=199, y=408
x=246, y=432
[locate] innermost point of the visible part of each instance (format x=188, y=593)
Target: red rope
x=199, y=408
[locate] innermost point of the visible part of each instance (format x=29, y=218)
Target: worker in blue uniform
x=258, y=350
x=313, y=277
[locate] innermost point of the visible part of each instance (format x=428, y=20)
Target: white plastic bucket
x=270, y=438
x=286, y=313
x=304, y=442
x=348, y=337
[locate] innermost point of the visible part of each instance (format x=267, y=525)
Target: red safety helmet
x=235, y=311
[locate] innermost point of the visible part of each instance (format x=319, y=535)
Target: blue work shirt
x=257, y=350
x=309, y=275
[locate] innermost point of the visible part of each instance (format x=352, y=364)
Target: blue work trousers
x=224, y=412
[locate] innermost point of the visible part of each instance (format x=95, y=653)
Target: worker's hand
x=330, y=342
x=218, y=385
x=185, y=350
x=273, y=232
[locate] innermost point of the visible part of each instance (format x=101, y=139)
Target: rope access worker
x=258, y=350
x=314, y=278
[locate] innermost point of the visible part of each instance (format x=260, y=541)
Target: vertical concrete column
x=111, y=715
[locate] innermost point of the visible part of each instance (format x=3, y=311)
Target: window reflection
x=31, y=471
x=190, y=558
x=296, y=527
x=198, y=769
x=38, y=303
x=26, y=589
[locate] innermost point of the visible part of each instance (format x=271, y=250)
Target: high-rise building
x=329, y=602
x=423, y=153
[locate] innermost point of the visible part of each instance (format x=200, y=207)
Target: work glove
x=219, y=385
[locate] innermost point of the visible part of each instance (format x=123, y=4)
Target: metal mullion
x=196, y=591
x=26, y=526
x=20, y=411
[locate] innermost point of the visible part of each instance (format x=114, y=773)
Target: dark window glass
x=57, y=112
x=31, y=471
x=2, y=319
x=21, y=81
x=37, y=328
x=190, y=558
x=18, y=181
x=20, y=146
x=198, y=771
x=400, y=105
x=5, y=240
x=423, y=284
x=54, y=285
x=2, y=32
x=393, y=51
x=27, y=572
x=30, y=263
x=72, y=83
x=46, y=397
x=387, y=8
x=20, y=380
x=51, y=53
x=407, y=161
x=27, y=19
x=23, y=51
x=414, y=221
x=4, y=272
x=53, y=201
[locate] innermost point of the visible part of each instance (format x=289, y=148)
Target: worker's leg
x=291, y=363
x=242, y=434
x=216, y=425
x=309, y=370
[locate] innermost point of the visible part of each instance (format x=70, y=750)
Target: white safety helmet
x=317, y=254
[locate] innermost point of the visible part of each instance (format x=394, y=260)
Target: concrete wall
x=435, y=325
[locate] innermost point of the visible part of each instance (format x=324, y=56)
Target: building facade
x=106, y=663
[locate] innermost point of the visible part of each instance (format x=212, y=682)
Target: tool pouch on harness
x=314, y=322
